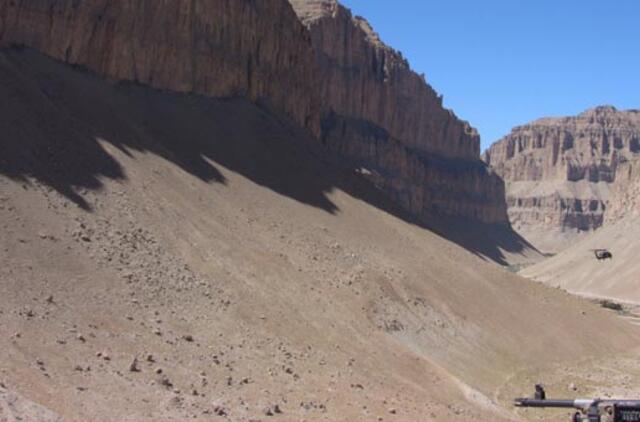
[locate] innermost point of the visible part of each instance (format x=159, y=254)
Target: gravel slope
x=169, y=257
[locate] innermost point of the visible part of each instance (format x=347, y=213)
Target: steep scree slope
x=576, y=268
x=169, y=257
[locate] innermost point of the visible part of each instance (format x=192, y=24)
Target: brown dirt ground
x=248, y=277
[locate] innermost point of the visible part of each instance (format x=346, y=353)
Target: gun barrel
x=527, y=402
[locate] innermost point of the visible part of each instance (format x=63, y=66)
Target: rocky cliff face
x=558, y=171
x=219, y=48
x=379, y=113
x=624, y=200
x=335, y=78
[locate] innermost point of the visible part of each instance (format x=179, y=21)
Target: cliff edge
x=311, y=62
x=385, y=118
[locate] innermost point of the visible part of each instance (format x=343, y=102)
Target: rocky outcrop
x=219, y=48
x=558, y=171
x=363, y=78
x=384, y=117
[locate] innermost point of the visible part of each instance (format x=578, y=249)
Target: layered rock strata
x=218, y=48
x=331, y=73
x=559, y=171
x=624, y=200
x=384, y=117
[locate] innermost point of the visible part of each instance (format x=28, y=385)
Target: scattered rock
x=166, y=382
x=220, y=411
x=393, y=326
x=103, y=355
x=273, y=410
x=133, y=367
x=177, y=401
x=188, y=338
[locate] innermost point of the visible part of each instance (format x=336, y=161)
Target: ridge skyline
x=490, y=73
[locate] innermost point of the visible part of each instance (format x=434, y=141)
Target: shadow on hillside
x=488, y=241
x=55, y=117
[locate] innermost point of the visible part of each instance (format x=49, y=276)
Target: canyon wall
x=384, y=117
x=324, y=69
x=559, y=171
x=218, y=48
x=624, y=199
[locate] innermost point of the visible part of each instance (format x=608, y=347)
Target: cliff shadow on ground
x=56, y=117
x=497, y=242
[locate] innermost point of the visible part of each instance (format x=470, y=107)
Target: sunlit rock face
x=624, y=200
x=559, y=171
x=379, y=113
x=323, y=68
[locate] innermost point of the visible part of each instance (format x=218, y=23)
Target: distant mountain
x=577, y=269
x=558, y=171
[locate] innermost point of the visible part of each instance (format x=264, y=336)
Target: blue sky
x=500, y=63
